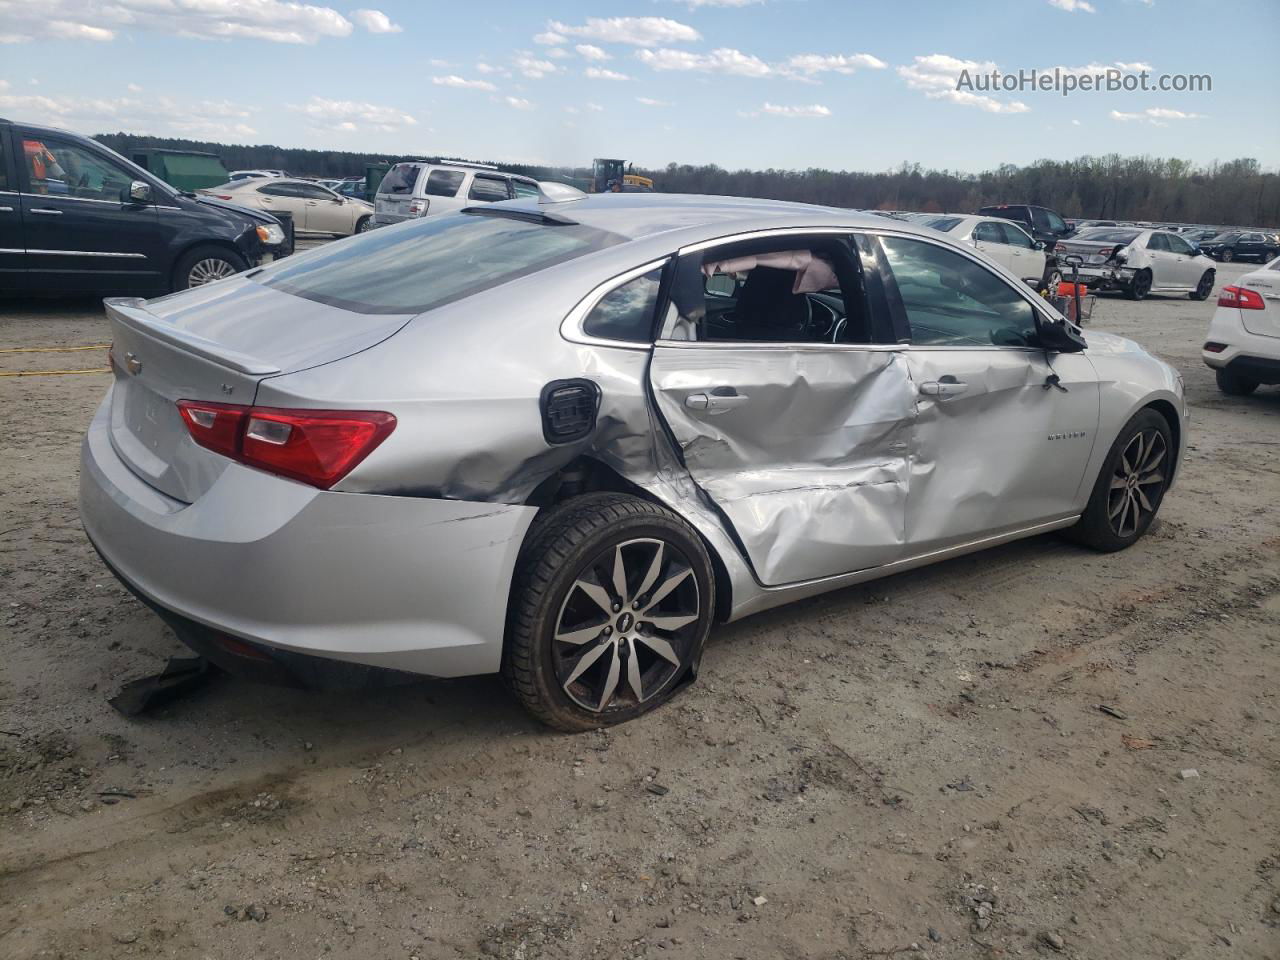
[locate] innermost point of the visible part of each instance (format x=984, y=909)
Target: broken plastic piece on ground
x=181, y=675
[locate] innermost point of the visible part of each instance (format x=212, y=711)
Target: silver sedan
x=560, y=438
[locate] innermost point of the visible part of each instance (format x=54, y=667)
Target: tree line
x=1110, y=187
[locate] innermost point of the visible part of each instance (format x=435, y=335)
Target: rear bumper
x=1248, y=355
x=1102, y=278
x=407, y=583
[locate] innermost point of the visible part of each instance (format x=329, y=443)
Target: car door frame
x=942, y=513
x=139, y=258
x=999, y=251
x=13, y=246
x=1032, y=261
x=317, y=204
x=793, y=523
x=1189, y=271
x=296, y=206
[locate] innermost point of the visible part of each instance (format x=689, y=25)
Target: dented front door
x=803, y=448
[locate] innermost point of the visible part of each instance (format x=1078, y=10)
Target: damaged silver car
x=561, y=440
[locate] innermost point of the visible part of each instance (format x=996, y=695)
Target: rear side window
x=525, y=188
x=279, y=190
x=400, y=179
x=433, y=262
x=943, y=223
x=444, y=183
x=626, y=312
x=1157, y=241
x=988, y=232
x=489, y=189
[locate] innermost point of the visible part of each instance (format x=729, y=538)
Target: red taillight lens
x=1212, y=347
x=318, y=447
x=1241, y=298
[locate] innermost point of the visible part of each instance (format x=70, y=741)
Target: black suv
x=77, y=217
x=1244, y=243
x=1041, y=222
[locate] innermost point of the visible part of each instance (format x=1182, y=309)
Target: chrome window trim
x=10, y=250
x=88, y=253
x=43, y=197
x=798, y=346
x=571, y=325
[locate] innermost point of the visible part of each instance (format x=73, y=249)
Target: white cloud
x=590, y=52
x=1091, y=69
x=534, y=68
x=809, y=64
x=278, y=21
x=595, y=108
x=1071, y=6
x=354, y=115
x=375, y=21
x=935, y=76
x=453, y=80
x=637, y=31
x=550, y=39
x=519, y=103
x=134, y=88
x=811, y=110
x=720, y=3
x=558, y=53
x=1156, y=116
x=158, y=116
x=722, y=60
x=600, y=73
x=650, y=102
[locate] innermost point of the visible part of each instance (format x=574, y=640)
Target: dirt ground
x=917, y=766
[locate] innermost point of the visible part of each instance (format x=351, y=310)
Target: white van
x=420, y=188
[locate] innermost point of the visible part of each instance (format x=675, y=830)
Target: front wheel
x=611, y=605
x=1227, y=255
x=1052, y=279
x=364, y=225
x=1139, y=286
x=1204, y=287
x=1130, y=486
x=205, y=265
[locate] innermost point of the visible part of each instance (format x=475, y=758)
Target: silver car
x=561, y=440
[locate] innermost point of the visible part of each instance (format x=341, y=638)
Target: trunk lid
x=213, y=343
x=1264, y=322
x=1092, y=252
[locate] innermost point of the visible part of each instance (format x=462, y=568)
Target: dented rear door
x=802, y=447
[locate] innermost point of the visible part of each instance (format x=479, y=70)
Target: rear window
x=431, y=262
x=444, y=183
x=942, y=223
x=400, y=179
x=1106, y=235
x=525, y=188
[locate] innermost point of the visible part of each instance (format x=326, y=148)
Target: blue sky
x=849, y=84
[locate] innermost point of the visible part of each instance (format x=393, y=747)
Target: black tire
x=1116, y=518
x=1052, y=277
x=1139, y=286
x=1234, y=386
x=571, y=544
x=1227, y=255
x=199, y=265
x=1205, y=287
x=364, y=223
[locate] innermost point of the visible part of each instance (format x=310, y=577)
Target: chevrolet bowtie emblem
x=132, y=363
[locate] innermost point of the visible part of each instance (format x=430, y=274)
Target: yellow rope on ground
x=52, y=373
x=96, y=346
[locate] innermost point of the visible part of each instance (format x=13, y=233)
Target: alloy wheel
x=209, y=270
x=1141, y=284
x=1205, y=287
x=626, y=626
x=1137, y=483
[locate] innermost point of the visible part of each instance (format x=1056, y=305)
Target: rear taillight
x=318, y=447
x=1059, y=248
x=1241, y=298
x=1212, y=347
x=418, y=207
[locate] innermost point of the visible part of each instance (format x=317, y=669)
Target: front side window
x=488, y=189
x=444, y=183
x=436, y=260
x=1040, y=218
x=60, y=168
x=1178, y=245
x=626, y=312
x=1056, y=223
x=312, y=192
x=1015, y=237
x=949, y=300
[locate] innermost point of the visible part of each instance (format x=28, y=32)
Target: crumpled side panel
x=811, y=469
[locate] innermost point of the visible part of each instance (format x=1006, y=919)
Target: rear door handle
x=46, y=211
x=943, y=388
x=714, y=404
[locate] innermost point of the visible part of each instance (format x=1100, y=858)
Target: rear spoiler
x=131, y=312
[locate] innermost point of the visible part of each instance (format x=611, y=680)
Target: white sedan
x=315, y=208
x=1138, y=261
x=1004, y=242
x=1243, y=347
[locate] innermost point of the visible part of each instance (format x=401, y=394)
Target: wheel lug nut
x=617, y=607
x=636, y=605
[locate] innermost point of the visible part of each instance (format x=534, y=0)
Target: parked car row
x=420, y=188
x=1138, y=262
x=76, y=216
x=316, y=209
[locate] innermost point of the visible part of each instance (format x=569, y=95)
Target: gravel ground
x=914, y=765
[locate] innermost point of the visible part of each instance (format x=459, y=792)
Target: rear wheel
x=1052, y=278
x=1227, y=255
x=205, y=265
x=610, y=609
x=1234, y=386
x=1130, y=486
x=1139, y=286
x=1204, y=287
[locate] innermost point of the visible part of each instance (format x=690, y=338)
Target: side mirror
x=1039, y=244
x=1057, y=334
x=139, y=192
